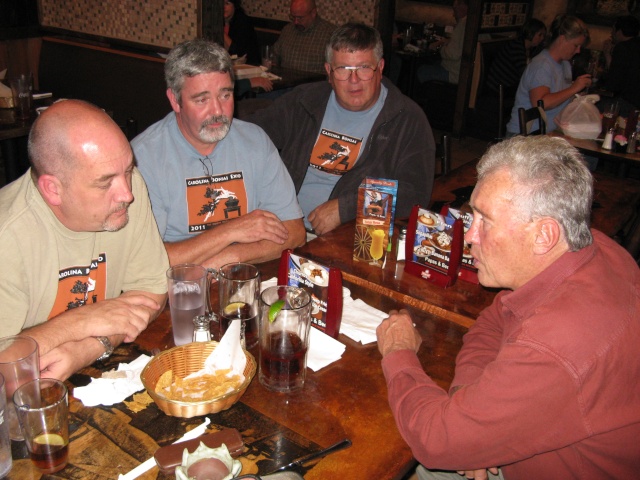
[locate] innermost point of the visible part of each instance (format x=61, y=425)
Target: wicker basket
x=185, y=360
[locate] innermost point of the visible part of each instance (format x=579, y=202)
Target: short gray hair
x=354, y=37
x=551, y=180
x=192, y=58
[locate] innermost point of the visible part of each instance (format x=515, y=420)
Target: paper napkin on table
x=113, y=387
x=228, y=355
x=323, y=349
x=359, y=320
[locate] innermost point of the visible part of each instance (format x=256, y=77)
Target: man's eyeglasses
x=364, y=72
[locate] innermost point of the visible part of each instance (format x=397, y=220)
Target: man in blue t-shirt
x=333, y=135
x=219, y=190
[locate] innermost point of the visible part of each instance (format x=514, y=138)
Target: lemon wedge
x=49, y=439
x=233, y=307
x=274, y=310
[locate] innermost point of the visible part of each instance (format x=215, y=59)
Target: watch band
x=108, y=348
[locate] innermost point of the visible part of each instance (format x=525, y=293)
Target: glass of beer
x=239, y=290
x=43, y=412
x=285, y=321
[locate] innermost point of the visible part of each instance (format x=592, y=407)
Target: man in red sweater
x=546, y=383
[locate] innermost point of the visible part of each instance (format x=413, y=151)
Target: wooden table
x=594, y=149
x=344, y=400
x=616, y=201
x=459, y=304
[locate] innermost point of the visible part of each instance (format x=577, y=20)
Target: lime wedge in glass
x=274, y=310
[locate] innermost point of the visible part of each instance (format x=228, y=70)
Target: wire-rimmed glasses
x=363, y=72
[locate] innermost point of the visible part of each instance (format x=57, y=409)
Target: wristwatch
x=108, y=348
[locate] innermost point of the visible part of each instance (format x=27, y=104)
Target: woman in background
x=239, y=35
x=510, y=62
x=548, y=77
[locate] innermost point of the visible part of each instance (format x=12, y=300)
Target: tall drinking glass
x=19, y=364
x=285, y=320
x=188, y=286
x=239, y=290
x=5, y=440
x=43, y=411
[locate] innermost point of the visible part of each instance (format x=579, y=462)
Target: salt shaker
x=402, y=239
x=608, y=140
x=201, y=328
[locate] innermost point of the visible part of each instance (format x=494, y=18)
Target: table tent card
x=433, y=247
x=468, y=272
x=324, y=285
x=374, y=220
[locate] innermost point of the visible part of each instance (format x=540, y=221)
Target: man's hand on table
x=325, y=217
x=125, y=316
x=397, y=333
x=258, y=225
x=68, y=358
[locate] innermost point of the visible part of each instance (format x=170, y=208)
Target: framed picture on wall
x=603, y=12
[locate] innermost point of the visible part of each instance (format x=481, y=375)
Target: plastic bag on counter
x=581, y=118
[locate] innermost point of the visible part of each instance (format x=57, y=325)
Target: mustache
x=120, y=206
x=216, y=119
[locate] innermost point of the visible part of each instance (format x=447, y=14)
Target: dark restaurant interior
x=112, y=54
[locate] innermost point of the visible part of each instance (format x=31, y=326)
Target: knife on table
x=313, y=456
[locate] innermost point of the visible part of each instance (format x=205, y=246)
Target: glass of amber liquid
x=43, y=411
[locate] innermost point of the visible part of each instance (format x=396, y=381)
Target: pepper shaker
x=631, y=146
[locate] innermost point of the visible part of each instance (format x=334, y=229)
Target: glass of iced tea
x=239, y=290
x=43, y=412
x=285, y=320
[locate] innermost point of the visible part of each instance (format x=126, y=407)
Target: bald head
x=302, y=13
x=65, y=134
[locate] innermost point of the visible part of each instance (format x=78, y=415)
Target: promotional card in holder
x=374, y=220
x=433, y=247
x=468, y=272
x=324, y=285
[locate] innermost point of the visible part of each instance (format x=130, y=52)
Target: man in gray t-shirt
x=219, y=190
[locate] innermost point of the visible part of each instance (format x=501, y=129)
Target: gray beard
x=217, y=134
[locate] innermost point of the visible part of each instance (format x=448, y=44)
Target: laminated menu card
x=468, y=272
x=324, y=285
x=374, y=220
x=433, y=247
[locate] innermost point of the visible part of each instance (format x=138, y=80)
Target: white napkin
x=227, y=355
x=323, y=349
x=113, y=387
x=359, y=320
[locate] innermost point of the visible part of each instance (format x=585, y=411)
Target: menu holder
x=433, y=247
x=468, y=272
x=324, y=285
x=374, y=220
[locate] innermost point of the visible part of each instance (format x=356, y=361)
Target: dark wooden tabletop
x=346, y=399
